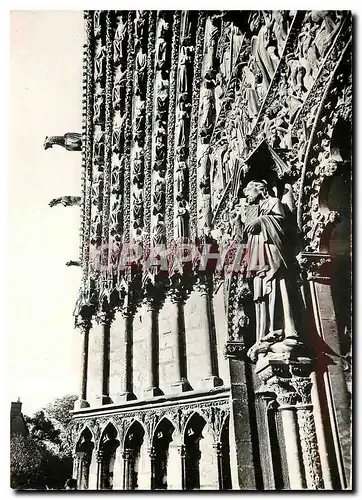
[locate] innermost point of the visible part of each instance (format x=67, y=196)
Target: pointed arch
x=84, y=449
x=161, y=439
x=192, y=435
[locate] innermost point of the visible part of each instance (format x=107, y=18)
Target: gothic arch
x=198, y=414
x=135, y=422
x=169, y=419
x=162, y=438
x=84, y=428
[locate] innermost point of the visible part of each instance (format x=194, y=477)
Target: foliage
x=59, y=413
x=41, y=428
x=43, y=460
x=25, y=461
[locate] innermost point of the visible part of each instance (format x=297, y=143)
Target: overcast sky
x=45, y=99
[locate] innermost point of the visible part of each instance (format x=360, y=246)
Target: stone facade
x=223, y=132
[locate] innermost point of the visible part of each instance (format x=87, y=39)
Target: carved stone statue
x=182, y=220
x=139, y=25
x=159, y=197
x=159, y=231
x=99, y=60
x=267, y=263
x=208, y=110
x=71, y=141
x=98, y=104
x=140, y=72
x=98, y=145
x=181, y=179
x=138, y=169
x=66, y=201
x=138, y=208
x=182, y=120
x=97, y=23
x=119, y=40
x=184, y=61
x=119, y=86
x=118, y=132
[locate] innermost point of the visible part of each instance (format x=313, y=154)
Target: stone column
x=182, y=452
x=152, y=454
x=334, y=376
x=105, y=319
x=128, y=459
x=126, y=392
x=287, y=374
x=99, y=459
x=219, y=459
x=85, y=326
x=84, y=478
x=308, y=435
x=286, y=400
x=153, y=349
x=211, y=378
x=180, y=383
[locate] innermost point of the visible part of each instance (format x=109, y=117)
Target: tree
x=59, y=414
x=44, y=459
x=25, y=461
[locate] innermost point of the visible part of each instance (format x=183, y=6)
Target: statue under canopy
x=267, y=263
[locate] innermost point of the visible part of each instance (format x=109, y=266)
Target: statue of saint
x=267, y=262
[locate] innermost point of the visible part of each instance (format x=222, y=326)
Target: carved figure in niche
x=219, y=92
x=116, y=177
x=162, y=46
x=138, y=208
x=159, y=231
x=140, y=70
x=96, y=229
x=182, y=219
x=97, y=187
x=327, y=31
x=71, y=141
x=138, y=169
x=267, y=263
x=98, y=145
x=139, y=25
x=297, y=73
x=224, y=50
x=118, y=132
x=119, y=85
x=160, y=152
x=183, y=114
x=66, y=201
x=280, y=30
x=264, y=52
x=159, y=197
x=184, y=62
x=99, y=61
x=140, y=119
x=181, y=177
x=119, y=40
x=98, y=104
x=204, y=185
x=162, y=101
x=211, y=41
x=97, y=23
x=250, y=93
x=207, y=110
x=115, y=216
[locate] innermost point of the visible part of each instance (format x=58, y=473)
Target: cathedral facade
x=214, y=306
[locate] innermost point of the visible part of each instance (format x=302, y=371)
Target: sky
x=45, y=99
